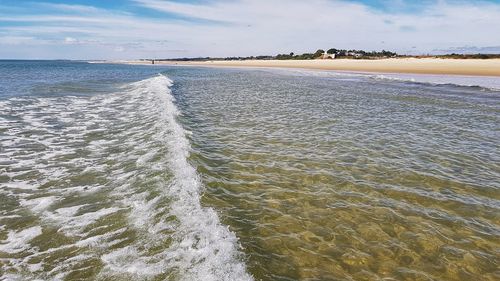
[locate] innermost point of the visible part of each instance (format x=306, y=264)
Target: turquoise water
x=117, y=172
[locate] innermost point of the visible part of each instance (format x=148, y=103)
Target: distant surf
x=484, y=82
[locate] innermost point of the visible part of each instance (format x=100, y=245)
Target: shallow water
x=244, y=174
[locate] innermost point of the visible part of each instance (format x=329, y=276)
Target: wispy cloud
x=70, y=7
x=243, y=27
x=470, y=50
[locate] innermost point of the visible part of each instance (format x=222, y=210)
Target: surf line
x=203, y=248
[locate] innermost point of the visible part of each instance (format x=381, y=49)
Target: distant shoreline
x=470, y=67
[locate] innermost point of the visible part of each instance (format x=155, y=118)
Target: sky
x=131, y=29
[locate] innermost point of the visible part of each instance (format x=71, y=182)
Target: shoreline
x=468, y=67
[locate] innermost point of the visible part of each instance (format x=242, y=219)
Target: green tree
x=332, y=51
x=318, y=53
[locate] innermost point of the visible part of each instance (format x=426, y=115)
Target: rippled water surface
x=113, y=173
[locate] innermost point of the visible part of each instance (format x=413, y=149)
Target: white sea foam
x=18, y=241
x=72, y=224
x=96, y=241
x=38, y=204
x=143, y=176
x=202, y=248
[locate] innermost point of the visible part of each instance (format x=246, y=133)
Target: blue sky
x=126, y=29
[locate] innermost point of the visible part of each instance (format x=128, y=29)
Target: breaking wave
x=108, y=177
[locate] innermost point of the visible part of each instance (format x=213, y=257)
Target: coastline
x=469, y=67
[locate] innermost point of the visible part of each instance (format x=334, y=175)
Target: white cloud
x=283, y=25
x=70, y=40
x=17, y=40
x=71, y=8
x=253, y=27
x=470, y=50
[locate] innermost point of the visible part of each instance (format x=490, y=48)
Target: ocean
x=130, y=172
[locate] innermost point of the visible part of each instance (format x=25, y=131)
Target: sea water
x=121, y=172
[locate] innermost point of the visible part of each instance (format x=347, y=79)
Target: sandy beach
x=489, y=67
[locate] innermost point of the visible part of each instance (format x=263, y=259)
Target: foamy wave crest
x=202, y=248
x=107, y=176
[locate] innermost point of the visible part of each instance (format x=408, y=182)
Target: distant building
x=354, y=54
x=327, y=56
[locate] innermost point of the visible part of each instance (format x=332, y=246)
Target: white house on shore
x=327, y=56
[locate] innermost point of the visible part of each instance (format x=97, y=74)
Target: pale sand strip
x=488, y=67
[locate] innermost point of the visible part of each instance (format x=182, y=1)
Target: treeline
x=469, y=56
x=220, y=59
x=304, y=56
x=339, y=53
x=372, y=54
